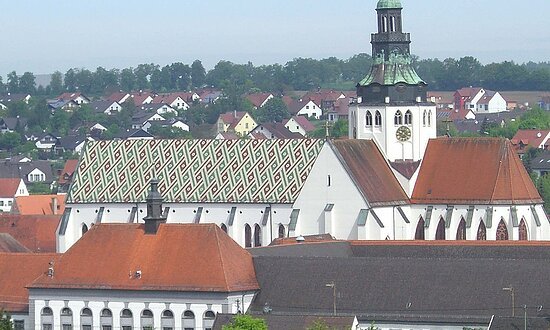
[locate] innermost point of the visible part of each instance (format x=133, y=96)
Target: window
x=84, y=229
x=47, y=311
x=482, y=232
x=398, y=118
x=257, y=235
x=188, y=320
x=66, y=312
x=368, y=119
x=378, y=119
x=408, y=117
x=223, y=227
x=167, y=320
x=66, y=319
x=502, y=231
x=392, y=24
x=86, y=319
x=424, y=115
x=282, y=231
x=440, y=233
x=384, y=24
x=126, y=319
x=420, y=231
x=147, y=319
x=430, y=118
x=329, y=181
x=307, y=107
x=47, y=326
x=461, y=231
x=18, y=325
x=247, y=236
x=208, y=320
x=523, y=231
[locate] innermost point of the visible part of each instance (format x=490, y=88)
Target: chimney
x=154, y=209
x=54, y=205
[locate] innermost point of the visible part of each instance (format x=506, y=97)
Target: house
x=118, y=97
x=159, y=108
x=144, y=119
x=3, y=106
x=239, y=122
x=442, y=100
x=227, y=136
x=299, y=124
x=106, y=107
x=340, y=110
x=326, y=99
x=142, y=98
x=8, y=124
x=67, y=174
x=38, y=171
x=65, y=105
x=14, y=97
x=306, y=108
x=541, y=164
x=172, y=123
x=136, y=134
x=71, y=143
x=29, y=267
x=530, y=138
x=258, y=100
x=209, y=96
x=9, y=189
x=76, y=97
x=479, y=99
x=164, y=276
x=273, y=131
x=174, y=100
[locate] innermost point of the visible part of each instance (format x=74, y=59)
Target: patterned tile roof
x=244, y=171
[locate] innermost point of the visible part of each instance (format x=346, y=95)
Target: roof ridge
x=216, y=234
x=497, y=176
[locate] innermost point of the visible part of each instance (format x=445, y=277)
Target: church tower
x=392, y=106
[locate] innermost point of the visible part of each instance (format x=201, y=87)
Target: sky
x=44, y=36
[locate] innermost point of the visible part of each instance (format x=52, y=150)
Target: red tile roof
x=372, y=175
x=469, y=92
x=8, y=187
x=304, y=123
x=179, y=257
x=473, y=171
x=529, y=138
x=258, y=99
x=117, y=97
x=35, y=232
x=10, y=244
x=39, y=205
x=68, y=170
x=232, y=118
x=17, y=270
x=71, y=96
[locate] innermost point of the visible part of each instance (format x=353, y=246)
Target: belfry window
x=368, y=119
x=378, y=119
x=408, y=117
x=384, y=24
x=398, y=119
x=392, y=24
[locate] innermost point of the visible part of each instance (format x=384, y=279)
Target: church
x=393, y=179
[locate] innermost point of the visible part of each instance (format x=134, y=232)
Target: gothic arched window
x=368, y=119
x=392, y=23
x=430, y=118
x=482, y=232
x=257, y=235
x=502, y=231
x=420, y=231
x=84, y=229
x=523, y=236
x=461, y=231
x=440, y=233
x=398, y=119
x=408, y=117
x=424, y=115
x=247, y=236
x=282, y=231
x=378, y=119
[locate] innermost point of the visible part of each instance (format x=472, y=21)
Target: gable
x=245, y=171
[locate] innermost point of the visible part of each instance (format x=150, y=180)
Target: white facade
x=310, y=109
x=113, y=109
x=203, y=305
x=181, y=125
x=381, y=123
x=179, y=104
x=36, y=175
x=6, y=202
x=293, y=126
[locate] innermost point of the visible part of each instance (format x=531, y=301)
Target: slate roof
x=17, y=270
x=296, y=106
x=22, y=170
x=101, y=106
x=542, y=162
x=69, y=96
x=179, y=257
x=39, y=205
x=245, y=171
x=69, y=142
x=11, y=245
x=449, y=281
x=473, y=171
x=11, y=122
x=292, y=322
x=35, y=232
x=370, y=172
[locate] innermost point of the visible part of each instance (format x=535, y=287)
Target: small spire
x=154, y=209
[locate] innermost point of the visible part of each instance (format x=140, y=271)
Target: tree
x=5, y=321
x=2, y=86
x=274, y=110
x=246, y=322
x=13, y=82
x=70, y=80
x=198, y=74
x=27, y=83
x=10, y=141
x=56, y=83
x=127, y=80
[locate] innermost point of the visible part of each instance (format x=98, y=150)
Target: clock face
x=403, y=133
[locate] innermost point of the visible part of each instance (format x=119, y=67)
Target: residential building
x=274, y=131
x=174, y=100
x=239, y=122
x=8, y=124
x=541, y=164
x=39, y=205
x=258, y=100
x=67, y=175
x=107, y=107
x=299, y=124
x=479, y=99
x=76, y=97
x=34, y=232
x=545, y=103
x=306, y=108
x=530, y=138
x=9, y=189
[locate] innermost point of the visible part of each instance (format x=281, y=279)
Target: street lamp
x=333, y=286
x=512, y=293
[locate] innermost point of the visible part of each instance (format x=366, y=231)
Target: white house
x=106, y=107
x=299, y=124
x=306, y=108
x=174, y=100
x=159, y=108
x=9, y=189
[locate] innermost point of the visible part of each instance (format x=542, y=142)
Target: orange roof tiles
x=17, y=270
x=258, y=99
x=68, y=171
x=473, y=171
x=371, y=173
x=40, y=205
x=530, y=138
x=35, y=232
x=8, y=187
x=179, y=257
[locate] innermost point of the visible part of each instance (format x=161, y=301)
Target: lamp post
x=333, y=286
x=512, y=293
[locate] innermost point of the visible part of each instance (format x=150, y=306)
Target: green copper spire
x=389, y=4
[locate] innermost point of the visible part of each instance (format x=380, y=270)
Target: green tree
x=70, y=80
x=5, y=321
x=59, y=122
x=2, y=86
x=13, y=82
x=27, y=83
x=246, y=322
x=544, y=190
x=198, y=74
x=10, y=141
x=274, y=110
x=56, y=83
x=127, y=80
